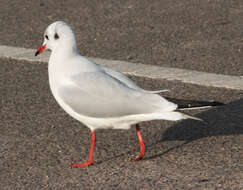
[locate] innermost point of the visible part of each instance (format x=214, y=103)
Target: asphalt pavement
x=199, y=35
x=39, y=140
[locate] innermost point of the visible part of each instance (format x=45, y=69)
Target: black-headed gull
x=99, y=97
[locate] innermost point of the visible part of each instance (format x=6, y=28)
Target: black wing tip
x=199, y=104
x=214, y=103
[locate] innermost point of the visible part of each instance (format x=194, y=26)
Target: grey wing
x=130, y=83
x=99, y=95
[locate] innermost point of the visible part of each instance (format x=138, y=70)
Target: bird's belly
x=119, y=122
x=91, y=122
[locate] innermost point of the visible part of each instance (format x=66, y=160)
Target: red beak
x=40, y=50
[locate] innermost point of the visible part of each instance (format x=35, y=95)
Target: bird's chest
x=57, y=77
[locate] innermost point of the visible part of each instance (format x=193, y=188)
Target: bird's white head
x=58, y=36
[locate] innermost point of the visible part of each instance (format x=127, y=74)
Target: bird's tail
x=172, y=116
x=185, y=116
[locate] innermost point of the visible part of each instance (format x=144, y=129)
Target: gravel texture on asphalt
x=198, y=35
x=39, y=141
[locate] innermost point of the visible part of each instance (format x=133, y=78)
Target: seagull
x=99, y=97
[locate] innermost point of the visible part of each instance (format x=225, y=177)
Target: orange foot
x=89, y=163
x=138, y=158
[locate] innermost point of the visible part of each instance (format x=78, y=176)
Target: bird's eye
x=46, y=37
x=56, y=36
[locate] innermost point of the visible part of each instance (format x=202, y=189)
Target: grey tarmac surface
x=39, y=140
x=137, y=69
x=189, y=34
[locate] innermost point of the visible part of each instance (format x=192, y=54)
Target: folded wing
x=130, y=83
x=98, y=94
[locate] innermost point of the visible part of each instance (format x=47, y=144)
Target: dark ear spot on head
x=56, y=36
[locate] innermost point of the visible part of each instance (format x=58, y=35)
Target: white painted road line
x=140, y=70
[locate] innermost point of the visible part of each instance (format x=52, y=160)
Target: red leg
x=90, y=160
x=142, y=144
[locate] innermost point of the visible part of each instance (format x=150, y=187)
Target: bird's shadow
x=222, y=121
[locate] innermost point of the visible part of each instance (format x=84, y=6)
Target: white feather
x=96, y=96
